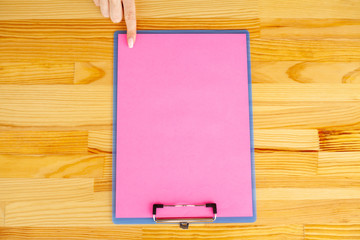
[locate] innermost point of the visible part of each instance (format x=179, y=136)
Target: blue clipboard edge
x=150, y=220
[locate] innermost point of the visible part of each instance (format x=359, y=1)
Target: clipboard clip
x=184, y=222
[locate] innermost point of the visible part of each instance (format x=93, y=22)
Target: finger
x=115, y=11
x=97, y=2
x=130, y=19
x=104, y=7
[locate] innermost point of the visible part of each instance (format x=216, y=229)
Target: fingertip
x=115, y=11
x=115, y=19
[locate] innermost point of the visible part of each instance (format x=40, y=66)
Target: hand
x=114, y=9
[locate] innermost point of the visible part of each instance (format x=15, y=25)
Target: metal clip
x=184, y=222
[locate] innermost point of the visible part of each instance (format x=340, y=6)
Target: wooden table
x=56, y=116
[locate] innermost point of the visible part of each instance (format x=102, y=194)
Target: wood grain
x=101, y=140
x=308, y=9
x=98, y=211
x=57, y=212
x=93, y=72
x=97, y=49
x=306, y=72
x=89, y=28
x=308, y=211
x=286, y=139
x=79, y=233
x=105, y=182
x=40, y=9
x=164, y=232
x=304, y=181
x=300, y=28
x=340, y=140
x=43, y=142
x=228, y=231
x=305, y=115
x=305, y=50
x=25, y=73
x=102, y=185
x=306, y=92
x=307, y=193
x=346, y=164
x=51, y=105
x=67, y=9
x=285, y=163
x=52, y=166
x=331, y=231
x=61, y=189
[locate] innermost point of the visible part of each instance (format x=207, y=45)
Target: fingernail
x=131, y=42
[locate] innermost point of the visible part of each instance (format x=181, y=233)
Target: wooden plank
x=98, y=212
x=51, y=106
x=89, y=28
x=79, y=233
x=285, y=163
x=305, y=72
x=331, y=231
x=309, y=9
x=199, y=9
x=52, y=166
x=308, y=211
x=97, y=49
x=306, y=92
x=340, y=140
x=55, y=50
x=286, y=139
x=25, y=73
x=67, y=9
x=307, y=193
x=57, y=212
x=339, y=164
x=305, y=50
x=40, y=9
x=311, y=115
x=304, y=181
x=218, y=231
x=43, y=142
x=300, y=28
x=101, y=140
x=222, y=231
x=13, y=189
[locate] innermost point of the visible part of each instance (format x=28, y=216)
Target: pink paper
x=183, y=134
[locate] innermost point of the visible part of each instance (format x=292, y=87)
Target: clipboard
x=183, y=147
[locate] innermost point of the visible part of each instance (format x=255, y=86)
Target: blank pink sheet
x=183, y=132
